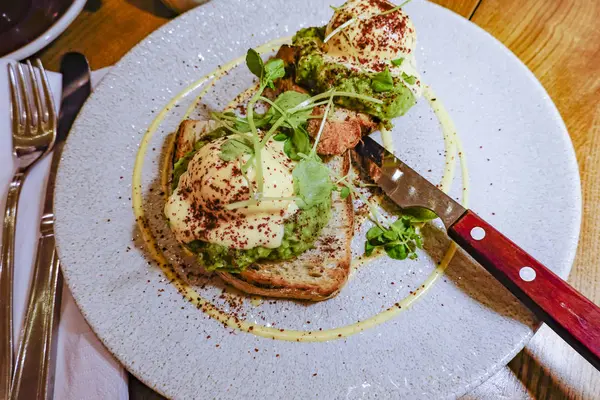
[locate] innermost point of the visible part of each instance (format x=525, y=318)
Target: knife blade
x=575, y=318
x=34, y=369
x=404, y=185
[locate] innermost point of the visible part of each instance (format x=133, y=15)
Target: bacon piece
x=287, y=53
x=342, y=130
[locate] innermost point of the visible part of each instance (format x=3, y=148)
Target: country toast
x=316, y=274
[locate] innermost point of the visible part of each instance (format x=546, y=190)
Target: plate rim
x=569, y=157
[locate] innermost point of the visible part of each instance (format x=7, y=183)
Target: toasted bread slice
x=191, y=131
x=317, y=274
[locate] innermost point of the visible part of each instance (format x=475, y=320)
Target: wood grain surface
x=106, y=30
x=559, y=40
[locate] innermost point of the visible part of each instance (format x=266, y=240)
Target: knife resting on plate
x=575, y=318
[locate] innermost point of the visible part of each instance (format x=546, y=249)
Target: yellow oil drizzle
x=256, y=300
x=449, y=133
x=464, y=171
x=450, y=141
x=358, y=262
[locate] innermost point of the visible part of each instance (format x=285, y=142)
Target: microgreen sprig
x=267, y=73
x=391, y=10
x=322, y=125
x=291, y=110
x=339, y=29
x=312, y=181
x=399, y=238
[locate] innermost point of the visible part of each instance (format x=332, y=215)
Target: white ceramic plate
x=523, y=178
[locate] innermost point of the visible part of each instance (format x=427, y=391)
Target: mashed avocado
x=316, y=73
x=300, y=232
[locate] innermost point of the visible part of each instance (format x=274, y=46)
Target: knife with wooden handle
x=574, y=317
x=33, y=377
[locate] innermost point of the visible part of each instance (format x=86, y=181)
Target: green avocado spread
x=300, y=233
x=313, y=71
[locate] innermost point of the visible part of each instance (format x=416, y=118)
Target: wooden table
x=559, y=40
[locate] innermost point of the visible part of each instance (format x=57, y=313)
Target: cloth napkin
x=84, y=368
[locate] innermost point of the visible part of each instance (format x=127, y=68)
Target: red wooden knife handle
x=575, y=318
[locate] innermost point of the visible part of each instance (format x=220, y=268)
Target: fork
x=34, y=133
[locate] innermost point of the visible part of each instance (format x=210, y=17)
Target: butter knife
x=33, y=376
x=575, y=318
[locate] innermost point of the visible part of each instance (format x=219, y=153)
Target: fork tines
x=31, y=100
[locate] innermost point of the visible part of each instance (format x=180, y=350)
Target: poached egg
x=196, y=209
x=373, y=39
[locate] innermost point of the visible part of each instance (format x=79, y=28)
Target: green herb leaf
x=419, y=241
x=280, y=137
x=390, y=235
x=382, y=81
x=195, y=246
x=267, y=73
x=235, y=147
x=418, y=214
x=374, y=232
x=229, y=118
x=301, y=141
x=255, y=63
x=379, y=240
x=345, y=192
x=312, y=183
x=399, y=241
x=409, y=78
x=180, y=167
x=298, y=142
x=398, y=61
x=273, y=69
x=401, y=225
x=290, y=150
x=396, y=251
x=241, y=123
x=286, y=101
x=369, y=249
